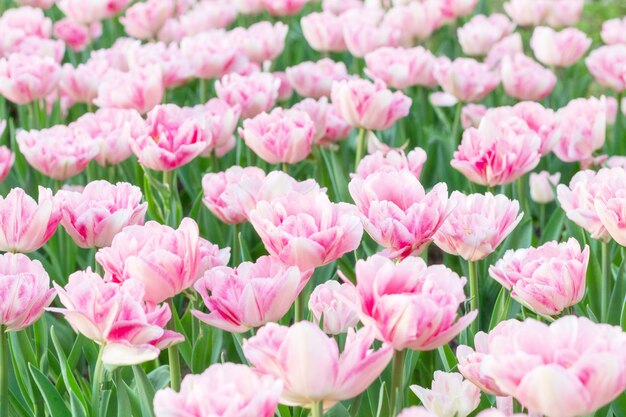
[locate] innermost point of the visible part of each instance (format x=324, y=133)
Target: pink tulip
x=7, y=159
x=207, y=15
x=59, y=152
x=76, y=35
x=317, y=111
x=114, y=316
x=508, y=46
x=582, y=124
x=81, y=83
x=175, y=68
x=284, y=7
x=255, y=94
x=392, y=161
x=402, y=68
x=564, y=12
x=282, y=136
x=315, y=79
x=285, y=92
x=95, y=215
x=94, y=11
x=333, y=306
x=112, y=130
x=212, y=54
x=472, y=114
x=397, y=212
x=577, y=200
x=542, y=186
x=415, y=20
x=323, y=32
x=249, y=7
x=607, y=65
x=173, y=138
x=481, y=33
x=337, y=128
x=450, y=395
x=21, y=22
x=222, y=121
x=409, y=304
x=306, y=229
x=310, y=365
x=559, y=49
x=614, y=31
x=416, y=412
x=262, y=41
x=477, y=225
x=453, y=9
x=143, y=20
x=547, y=279
x=24, y=291
x=250, y=295
x=222, y=390
x=499, y=152
x=225, y=192
x=525, y=79
x=541, y=120
x=362, y=38
x=339, y=6
x=141, y=89
x=587, y=361
x=167, y=261
x=466, y=79
x=609, y=203
x=369, y=105
x=527, y=12
x=471, y=362
x=24, y=79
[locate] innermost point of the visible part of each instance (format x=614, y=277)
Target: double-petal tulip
x=254, y=94
x=333, y=306
x=7, y=159
x=542, y=186
x=582, y=124
x=614, y=31
x=449, y=396
x=222, y=120
x=564, y=12
x=609, y=203
x=250, y=295
x=559, y=49
x=323, y=32
x=525, y=79
x=26, y=78
x=283, y=7
x=101, y=210
x=222, y=390
x=143, y=20
x=166, y=260
x=141, y=89
x=363, y=37
x=310, y=365
x=24, y=291
x=527, y=12
x=262, y=41
x=477, y=225
x=481, y=33
x=392, y=161
x=607, y=64
x=546, y=279
x=466, y=79
x=81, y=83
x=402, y=67
x=213, y=54
x=315, y=79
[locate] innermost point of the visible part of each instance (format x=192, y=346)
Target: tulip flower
x=524, y=79
x=315, y=79
x=323, y=32
x=262, y=41
x=333, y=306
x=450, y=395
x=481, y=33
x=606, y=64
x=582, y=125
x=392, y=161
x=542, y=186
x=7, y=159
x=27, y=78
x=402, y=67
x=559, y=49
x=141, y=89
x=176, y=70
x=144, y=20
x=283, y=7
x=613, y=31
x=254, y=94
x=81, y=83
x=466, y=79
x=527, y=12
x=564, y=12
x=362, y=37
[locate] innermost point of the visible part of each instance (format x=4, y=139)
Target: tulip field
x=294, y=208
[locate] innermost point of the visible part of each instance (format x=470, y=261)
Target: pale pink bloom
x=282, y=136
x=415, y=20
x=585, y=360
x=547, y=279
x=175, y=68
x=609, y=203
x=116, y=317
x=20, y=22
x=362, y=38
x=81, y=83
x=7, y=159
x=285, y=91
x=559, y=49
x=212, y=54
x=411, y=305
x=254, y=94
x=172, y=31
x=310, y=365
x=525, y=79
x=369, y=105
x=539, y=119
x=564, y=12
x=527, y=12
x=26, y=225
x=166, y=260
x=510, y=45
x=24, y=79
x=401, y=68
x=499, y=152
x=24, y=291
x=262, y=41
x=397, y=212
x=449, y=396
x=453, y=9
x=206, y=15
x=611, y=110
x=315, y=79
x=392, y=161
x=470, y=361
x=222, y=121
x=607, y=64
x=472, y=114
x=441, y=99
x=616, y=161
x=225, y=193
x=317, y=111
x=466, y=79
x=306, y=229
x=542, y=186
x=323, y=32
x=375, y=145
x=582, y=125
x=337, y=128
x=222, y=390
x=34, y=46
x=141, y=89
x=59, y=152
x=250, y=295
x=339, y=6
x=578, y=201
x=76, y=35
x=115, y=57
x=93, y=11
x=249, y=7
x=93, y=216
x=283, y=7
x=477, y=225
x=173, y=138
x=614, y=31
x=481, y=33
x=42, y=4
x=333, y=306
x=416, y=412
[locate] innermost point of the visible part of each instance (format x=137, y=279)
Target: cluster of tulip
x=260, y=218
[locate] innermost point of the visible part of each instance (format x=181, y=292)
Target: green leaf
x=55, y=404
x=123, y=402
x=66, y=371
x=448, y=358
x=145, y=391
x=339, y=410
x=619, y=406
x=554, y=228
x=160, y=377
x=501, y=308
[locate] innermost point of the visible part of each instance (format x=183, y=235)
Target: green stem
x=4, y=373
x=202, y=88
x=360, y=147
x=98, y=380
x=474, y=304
x=317, y=410
x=542, y=219
x=235, y=245
x=617, y=128
x=521, y=195
x=172, y=353
x=297, y=306
x=456, y=123
x=606, y=281
x=397, y=382
x=285, y=167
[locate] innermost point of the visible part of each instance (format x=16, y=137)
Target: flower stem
x=172, y=353
x=4, y=373
x=397, y=382
x=317, y=410
x=297, y=306
x=98, y=380
x=360, y=147
x=235, y=245
x=606, y=281
x=474, y=303
x=456, y=123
